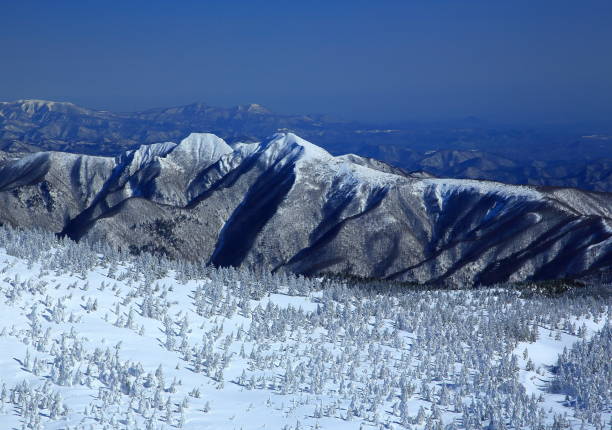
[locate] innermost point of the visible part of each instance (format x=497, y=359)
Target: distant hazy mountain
x=286, y=204
x=467, y=149
x=39, y=124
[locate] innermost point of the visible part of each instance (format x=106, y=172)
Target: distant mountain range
x=467, y=149
x=285, y=204
x=28, y=125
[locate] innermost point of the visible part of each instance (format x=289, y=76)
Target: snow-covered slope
x=287, y=205
x=91, y=339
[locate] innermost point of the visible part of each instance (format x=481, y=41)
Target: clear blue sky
x=512, y=60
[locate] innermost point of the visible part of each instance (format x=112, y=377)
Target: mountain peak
x=309, y=150
x=41, y=102
x=254, y=108
x=31, y=106
x=201, y=146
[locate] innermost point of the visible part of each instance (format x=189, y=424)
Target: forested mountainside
x=287, y=205
x=94, y=339
x=463, y=149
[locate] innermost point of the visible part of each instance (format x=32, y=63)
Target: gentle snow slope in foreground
x=88, y=343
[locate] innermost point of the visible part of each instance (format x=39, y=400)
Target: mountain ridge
x=286, y=204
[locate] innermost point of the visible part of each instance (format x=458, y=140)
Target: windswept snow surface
x=446, y=186
x=201, y=148
x=147, y=153
x=91, y=339
x=313, y=157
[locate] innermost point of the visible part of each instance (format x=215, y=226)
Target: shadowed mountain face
x=288, y=205
x=465, y=150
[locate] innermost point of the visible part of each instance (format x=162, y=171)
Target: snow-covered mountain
x=91, y=339
x=287, y=205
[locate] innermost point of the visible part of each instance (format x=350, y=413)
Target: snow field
x=94, y=339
